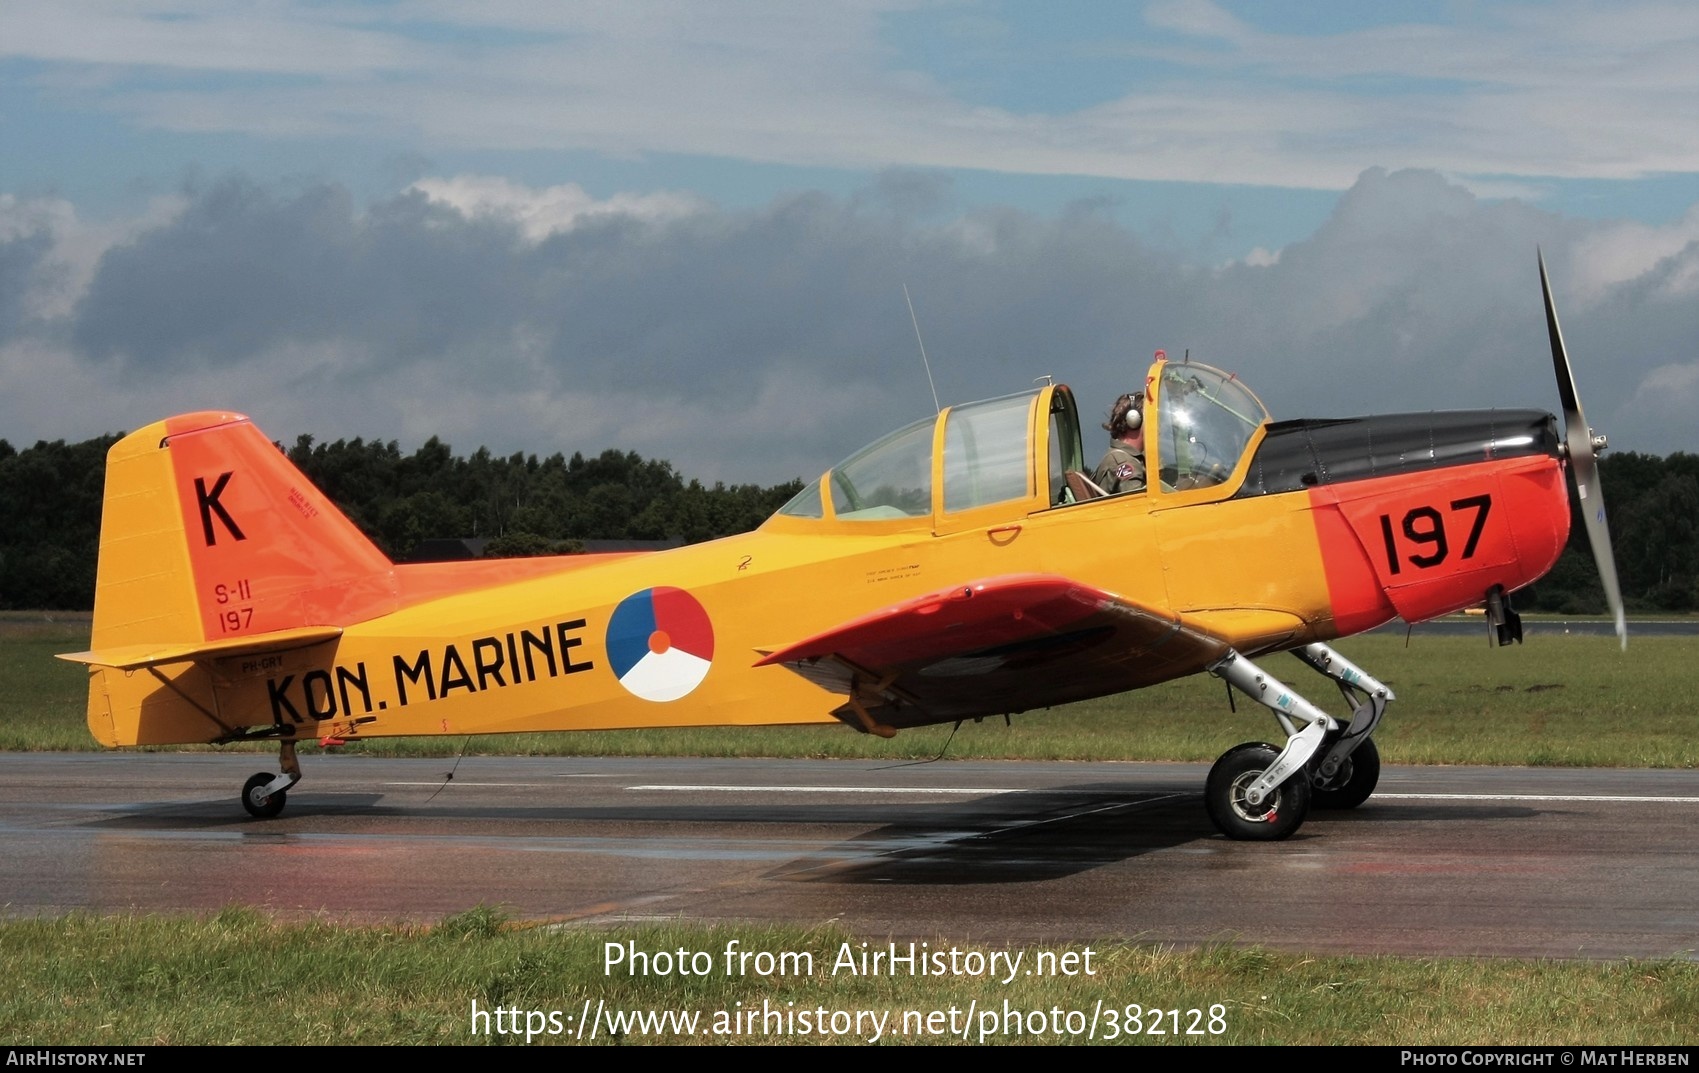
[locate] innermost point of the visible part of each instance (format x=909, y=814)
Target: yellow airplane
x=960, y=567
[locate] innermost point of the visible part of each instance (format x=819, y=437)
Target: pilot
x=1122, y=468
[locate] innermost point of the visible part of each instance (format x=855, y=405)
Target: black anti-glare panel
x=1306, y=453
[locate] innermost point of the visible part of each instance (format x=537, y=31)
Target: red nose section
x=1424, y=544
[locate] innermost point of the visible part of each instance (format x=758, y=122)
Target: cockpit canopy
x=1024, y=452
x=1205, y=421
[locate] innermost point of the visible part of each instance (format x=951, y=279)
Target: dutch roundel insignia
x=660, y=643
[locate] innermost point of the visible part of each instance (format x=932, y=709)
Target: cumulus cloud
x=23, y=251
x=1623, y=251
x=48, y=253
x=541, y=213
x=767, y=343
x=1670, y=393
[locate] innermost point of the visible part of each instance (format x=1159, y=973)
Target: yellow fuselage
x=531, y=655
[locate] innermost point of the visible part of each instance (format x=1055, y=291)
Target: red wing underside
x=1001, y=645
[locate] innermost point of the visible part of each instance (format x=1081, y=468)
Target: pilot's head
x=1126, y=417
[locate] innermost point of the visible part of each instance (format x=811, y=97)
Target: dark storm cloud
x=816, y=283
x=684, y=308
x=243, y=271
x=1414, y=295
x=22, y=258
x=912, y=193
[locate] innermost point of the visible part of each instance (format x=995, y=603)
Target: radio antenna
x=916, y=322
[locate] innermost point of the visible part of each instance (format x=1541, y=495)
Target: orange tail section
x=210, y=535
x=220, y=565
x=213, y=546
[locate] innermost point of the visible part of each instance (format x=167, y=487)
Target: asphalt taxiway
x=1542, y=862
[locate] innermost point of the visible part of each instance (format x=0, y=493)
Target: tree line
x=1654, y=523
x=50, y=496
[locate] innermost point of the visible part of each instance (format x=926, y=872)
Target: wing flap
x=996, y=646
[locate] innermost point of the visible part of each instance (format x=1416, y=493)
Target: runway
x=1471, y=861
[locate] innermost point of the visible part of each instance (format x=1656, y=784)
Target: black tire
x=1276, y=818
x=1352, y=784
x=262, y=808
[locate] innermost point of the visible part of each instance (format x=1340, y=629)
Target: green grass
x=242, y=977
x=1557, y=701
x=42, y=699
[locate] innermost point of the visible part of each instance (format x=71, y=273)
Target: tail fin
x=209, y=534
x=212, y=544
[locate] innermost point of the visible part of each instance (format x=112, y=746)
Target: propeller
x=1582, y=447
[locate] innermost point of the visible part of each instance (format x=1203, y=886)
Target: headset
x=1132, y=417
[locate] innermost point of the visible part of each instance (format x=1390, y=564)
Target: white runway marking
x=452, y=782
x=981, y=791
x=968, y=790
x=1539, y=797
x=834, y=789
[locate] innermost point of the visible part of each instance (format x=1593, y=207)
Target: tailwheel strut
x=264, y=794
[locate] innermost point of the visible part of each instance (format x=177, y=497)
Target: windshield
x=1206, y=420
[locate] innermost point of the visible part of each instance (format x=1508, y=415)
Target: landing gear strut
x=264, y=794
x=1348, y=771
x=1259, y=792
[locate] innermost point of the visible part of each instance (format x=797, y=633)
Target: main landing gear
x=1261, y=792
x=264, y=794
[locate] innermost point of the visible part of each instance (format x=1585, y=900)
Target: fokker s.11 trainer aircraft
x=961, y=567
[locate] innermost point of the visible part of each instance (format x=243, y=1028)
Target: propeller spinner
x=1582, y=447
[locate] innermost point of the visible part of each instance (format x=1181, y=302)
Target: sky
x=685, y=229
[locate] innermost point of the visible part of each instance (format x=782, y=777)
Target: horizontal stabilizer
x=134, y=657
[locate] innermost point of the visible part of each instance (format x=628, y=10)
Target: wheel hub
x=1266, y=812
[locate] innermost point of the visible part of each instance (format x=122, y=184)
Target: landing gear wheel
x=260, y=805
x=1279, y=814
x=1352, y=784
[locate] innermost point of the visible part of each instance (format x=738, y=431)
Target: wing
x=1000, y=645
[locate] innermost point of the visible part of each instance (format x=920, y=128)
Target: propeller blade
x=1583, y=464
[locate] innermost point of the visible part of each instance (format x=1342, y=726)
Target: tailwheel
x=1226, y=796
x=260, y=804
x=1352, y=782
